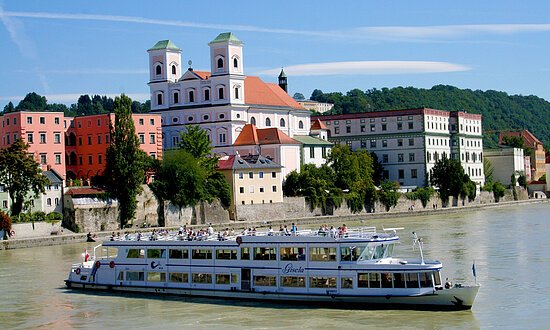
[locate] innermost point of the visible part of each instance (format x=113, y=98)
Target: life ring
x=12, y=233
x=112, y=264
x=77, y=271
x=97, y=264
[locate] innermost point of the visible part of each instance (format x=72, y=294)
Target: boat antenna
x=417, y=240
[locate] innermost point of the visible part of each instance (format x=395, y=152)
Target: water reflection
x=509, y=246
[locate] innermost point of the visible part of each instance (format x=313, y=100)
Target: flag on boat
x=86, y=255
x=474, y=269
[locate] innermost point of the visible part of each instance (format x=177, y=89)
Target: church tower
x=164, y=68
x=226, y=62
x=282, y=81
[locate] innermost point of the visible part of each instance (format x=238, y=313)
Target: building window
x=241, y=190
x=363, y=144
x=152, y=121
x=42, y=137
x=159, y=99
x=411, y=125
x=207, y=95
x=42, y=120
x=253, y=120
x=236, y=92
x=99, y=159
x=399, y=142
x=173, y=69
x=222, y=137
x=362, y=128
x=267, y=122
x=43, y=159
x=348, y=129
x=261, y=189
x=80, y=140
x=282, y=122
x=90, y=159
x=158, y=70
x=251, y=189
x=220, y=93
x=384, y=127
x=261, y=174
x=175, y=141
x=176, y=97
x=191, y=95
x=142, y=138
x=373, y=143
x=98, y=122
x=107, y=138
x=399, y=126
x=220, y=63
x=336, y=130
x=384, y=158
x=89, y=140
x=311, y=152
x=414, y=173
x=57, y=138
x=153, y=155
x=400, y=158
x=251, y=175
x=152, y=138
x=411, y=157
x=58, y=159
x=372, y=128
x=235, y=63
x=49, y=202
x=140, y=121
x=29, y=120
x=241, y=175
x=401, y=174
x=273, y=174
x=411, y=142
x=300, y=124
x=79, y=160
x=384, y=143
x=99, y=139
x=274, y=188
x=324, y=152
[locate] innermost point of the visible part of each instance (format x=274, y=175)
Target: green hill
x=500, y=111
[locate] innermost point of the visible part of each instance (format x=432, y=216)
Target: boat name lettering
x=289, y=269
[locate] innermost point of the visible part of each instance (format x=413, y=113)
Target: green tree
x=513, y=141
x=389, y=194
x=498, y=191
x=126, y=162
x=522, y=180
x=298, y=96
x=424, y=195
x=448, y=175
x=33, y=102
x=9, y=108
x=20, y=175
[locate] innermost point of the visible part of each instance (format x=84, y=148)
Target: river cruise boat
x=354, y=269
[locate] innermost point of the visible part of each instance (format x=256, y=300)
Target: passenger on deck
x=210, y=229
x=333, y=231
x=270, y=231
x=286, y=232
x=294, y=229
x=89, y=238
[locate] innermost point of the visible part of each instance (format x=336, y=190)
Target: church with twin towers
x=240, y=113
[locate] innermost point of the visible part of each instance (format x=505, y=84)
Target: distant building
x=409, y=142
x=505, y=161
x=316, y=106
x=254, y=179
x=88, y=138
x=529, y=140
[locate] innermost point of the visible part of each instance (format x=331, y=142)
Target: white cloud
x=89, y=71
x=17, y=34
x=368, y=68
x=403, y=33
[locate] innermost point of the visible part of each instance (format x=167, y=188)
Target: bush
x=38, y=216
x=52, y=216
x=498, y=191
x=424, y=194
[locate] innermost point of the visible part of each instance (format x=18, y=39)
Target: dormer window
x=158, y=69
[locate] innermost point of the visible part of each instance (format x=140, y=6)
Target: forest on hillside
x=500, y=111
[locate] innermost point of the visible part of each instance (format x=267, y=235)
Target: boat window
x=293, y=253
x=156, y=277
x=347, y=282
x=245, y=253
x=389, y=250
x=179, y=277
x=322, y=254
x=120, y=276
x=426, y=280
x=135, y=276
x=226, y=254
x=412, y=280
x=398, y=280
x=369, y=251
x=374, y=280
x=363, y=280
x=387, y=280
x=350, y=253
x=265, y=253
x=136, y=253
x=379, y=251
x=322, y=282
x=202, y=254
x=223, y=278
x=234, y=278
x=437, y=279
x=293, y=281
x=179, y=254
x=260, y=280
x=156, y=253
x=202, y=278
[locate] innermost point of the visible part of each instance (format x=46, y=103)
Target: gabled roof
x=246, y=162
x=53, y=177
x=318, y=125
x=165, y=44
x=191, y=74
x=251, y=135
x=225, y=37
x=260, y=93
x=311, y=140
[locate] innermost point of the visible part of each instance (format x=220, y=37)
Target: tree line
x=85, y=105
x=500, y=110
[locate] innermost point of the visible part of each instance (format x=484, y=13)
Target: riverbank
x=68, y=238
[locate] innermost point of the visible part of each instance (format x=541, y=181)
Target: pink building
x=43, y=131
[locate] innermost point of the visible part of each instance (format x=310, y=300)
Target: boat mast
x=418, y=241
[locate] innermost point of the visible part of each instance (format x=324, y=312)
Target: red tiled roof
x=203, y=74
x=251, y=135
x=258, y=92
x=317, y=125
x=226, y=162
x=528, y=137
x=85, y=191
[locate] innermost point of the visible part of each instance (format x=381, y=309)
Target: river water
x=510, y=247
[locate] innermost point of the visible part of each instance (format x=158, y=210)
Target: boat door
x=245, y=279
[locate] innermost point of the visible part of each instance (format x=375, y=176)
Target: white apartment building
x=409, y=142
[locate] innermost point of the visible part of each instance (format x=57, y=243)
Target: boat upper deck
x=354, y=235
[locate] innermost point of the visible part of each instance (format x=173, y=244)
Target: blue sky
x=62, y=49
